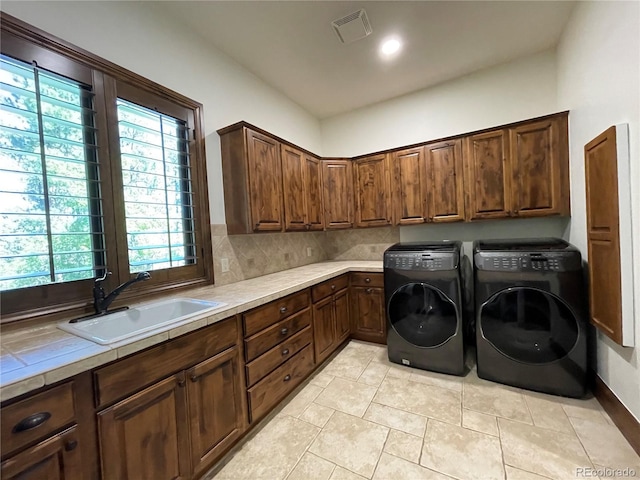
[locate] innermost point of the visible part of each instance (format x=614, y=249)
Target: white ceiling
x=292, y=46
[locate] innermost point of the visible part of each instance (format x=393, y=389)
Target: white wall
x=511, y=92
x=599, y=81
x=139, y=37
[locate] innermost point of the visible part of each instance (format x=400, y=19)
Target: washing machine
x=531, y=319
x=424, y=294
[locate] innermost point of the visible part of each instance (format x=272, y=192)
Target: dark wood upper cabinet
x=538, y=153
x=313, y=189
x=337, y=193
x=252, y=177
x=372, y=191
x=409, y=192
x=445, y=180
x=488, y=175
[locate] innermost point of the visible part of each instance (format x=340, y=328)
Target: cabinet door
x=536, y=170
x=409, y=187
x=313, y=189
x=265, y=182
x=446, y=181
x=145, y=435
x=341, y=311
x=373, y=191
x=324, y=328
x=368, y=314
x=293, y=185
x=337, y=193
x=488, y=174
x=56, y=458
x=216, y=412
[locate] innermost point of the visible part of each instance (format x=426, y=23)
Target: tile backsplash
x=262, y=253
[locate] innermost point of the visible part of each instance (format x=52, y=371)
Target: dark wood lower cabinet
x=324, y=328
x=146, y=435
x=56, y=458
x=215, y=398
x=343, y=328
x=368, y=314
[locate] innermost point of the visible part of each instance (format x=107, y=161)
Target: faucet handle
x=103, y=278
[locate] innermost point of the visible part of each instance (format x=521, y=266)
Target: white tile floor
x=363, y=417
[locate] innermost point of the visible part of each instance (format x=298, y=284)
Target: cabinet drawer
x=37, y=416
x=279, y=354
x=268, y=392
x=265, y=316
x=127, y=376
x=272, y=336
x=367, y=279
x=325, y=289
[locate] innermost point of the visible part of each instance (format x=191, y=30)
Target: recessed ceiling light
x=390, y=46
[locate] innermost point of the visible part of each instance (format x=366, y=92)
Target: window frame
x=110, y=81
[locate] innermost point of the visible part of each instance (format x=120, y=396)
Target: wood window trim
x=64, y=300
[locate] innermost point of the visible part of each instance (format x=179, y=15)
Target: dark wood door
x=217, y=417
x=535, y=164
x=488, y=174
x=372, y=191
x=293, y=186
x=368, y=314
x=265, y=182
x=603, y=234
x=341, y=310
x=56, y=458
x=324, y=328
x=337, y=193
x=446, y=181
x=409, y=187
x=313, y=189
x=146, y=435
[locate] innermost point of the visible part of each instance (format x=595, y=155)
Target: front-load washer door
x=422, y=315
x=529, y=325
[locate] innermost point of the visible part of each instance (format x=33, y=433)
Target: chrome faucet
x=101, y=300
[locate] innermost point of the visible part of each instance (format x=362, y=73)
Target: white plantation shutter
x=157, y=189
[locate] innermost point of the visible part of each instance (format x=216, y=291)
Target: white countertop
x=36, y=356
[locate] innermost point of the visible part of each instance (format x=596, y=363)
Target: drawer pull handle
x=285, y=352
x=369, y=290
x=71, y=445
x=367, y=280
x=333, y=287
x=283, y=309
x=284, y=331
x=32, y=421
x=194, y=378
x=287, y=378
x=181, y=382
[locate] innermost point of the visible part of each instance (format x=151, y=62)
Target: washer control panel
x=527, y=262
x=426, y=261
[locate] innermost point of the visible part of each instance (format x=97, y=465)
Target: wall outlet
x=224, y=264
x=309, y=251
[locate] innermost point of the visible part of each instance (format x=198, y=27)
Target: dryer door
x=422, y=315
x=529, y=325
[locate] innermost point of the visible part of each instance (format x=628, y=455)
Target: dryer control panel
x=426, y=261
x=527, y=262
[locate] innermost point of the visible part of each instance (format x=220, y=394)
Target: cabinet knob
x=367, y=280
x=32, y=421
x=333, y=287
x=285, y=352
x=194, y=377
x=287, y=378
x=369, y=290
x=283, y=309
x=181, y=382
x=284, y=331
x=70, y=445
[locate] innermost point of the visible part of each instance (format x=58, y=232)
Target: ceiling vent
x=352, y=27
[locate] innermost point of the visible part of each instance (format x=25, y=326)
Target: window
x=50, y=221
x=100, y=170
